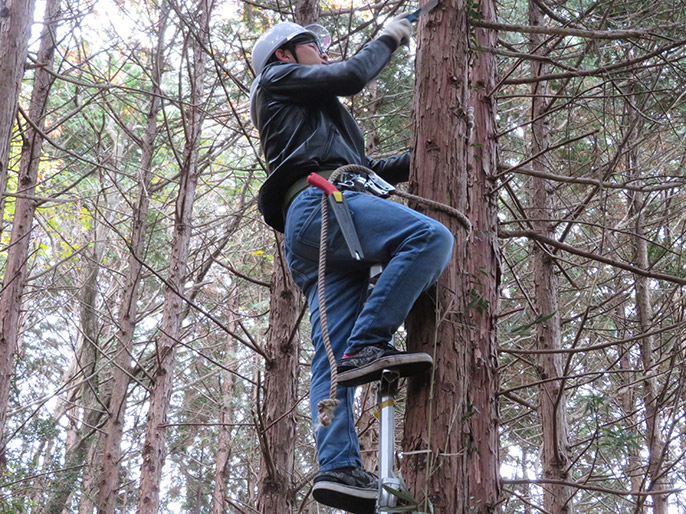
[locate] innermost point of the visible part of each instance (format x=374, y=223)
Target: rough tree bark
x=160, y=389
x=277, y=418
x=20, y=239
x=456, y=323
x=128, y=303
x=484, y=270
x=15, y=27
x=553, y=404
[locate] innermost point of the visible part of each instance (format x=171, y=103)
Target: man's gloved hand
x=399, y=28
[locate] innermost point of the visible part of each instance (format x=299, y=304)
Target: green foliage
x=477, y=302
x=16, y=506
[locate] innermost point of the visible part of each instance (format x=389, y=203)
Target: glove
x=399, y=28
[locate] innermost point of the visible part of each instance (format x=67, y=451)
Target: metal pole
x=386, y=405
x=385, y=400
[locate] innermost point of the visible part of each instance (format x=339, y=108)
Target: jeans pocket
x=307, y=231
x=306, y=235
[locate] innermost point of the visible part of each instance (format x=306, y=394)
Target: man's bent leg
x=418, y=250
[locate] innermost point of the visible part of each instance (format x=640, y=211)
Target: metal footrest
x=385, y=396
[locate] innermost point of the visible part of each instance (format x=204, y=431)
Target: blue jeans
x=414, y=249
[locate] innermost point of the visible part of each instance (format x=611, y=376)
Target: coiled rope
x=326, y=407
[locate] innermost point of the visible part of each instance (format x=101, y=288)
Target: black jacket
x=304, y=127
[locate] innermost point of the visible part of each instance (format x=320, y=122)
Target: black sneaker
x=368, y=363
x=352, y=490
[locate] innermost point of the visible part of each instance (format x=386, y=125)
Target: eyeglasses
x=323, y=37
x=316, y=34
x=311, y=42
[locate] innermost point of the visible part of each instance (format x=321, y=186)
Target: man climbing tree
x=305, y=129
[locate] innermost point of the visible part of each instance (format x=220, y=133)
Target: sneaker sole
x=405, y=364
x=345, y=497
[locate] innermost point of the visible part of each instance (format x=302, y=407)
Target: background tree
x=15, y=24
x=128, y=304
x=166, y=343
x=14, y=38
x=552, y=407
x=278, y=420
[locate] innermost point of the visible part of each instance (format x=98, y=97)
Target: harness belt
x=350, y=180
x=298, y=187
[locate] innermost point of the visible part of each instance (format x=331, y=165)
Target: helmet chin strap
x=291, y=48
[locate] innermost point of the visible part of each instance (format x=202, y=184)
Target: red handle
x=321, y=183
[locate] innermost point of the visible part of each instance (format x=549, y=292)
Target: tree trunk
x=553, y=402
x=437, y=432
x=75, y=457
x=89, y=487
x=644, y=309
x=484, y=269
x=277, y=421
x=20, y=239
x=15, y=27
x=128, y=304
x=221, y=467
x=90, y=328
x=627, y=398
x=368, y=428
x=155, y=434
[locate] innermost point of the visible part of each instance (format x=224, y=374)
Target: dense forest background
x=142, y=358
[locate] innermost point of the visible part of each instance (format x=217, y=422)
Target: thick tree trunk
x=160, y=393
x=483, y=267
x=128, y=303
x=307, y=11
x=280, y=393
x=553, y=404
x=15, y=27
x=437, y=427
x=20, y=239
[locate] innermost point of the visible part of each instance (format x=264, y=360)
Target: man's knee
x=441, y=242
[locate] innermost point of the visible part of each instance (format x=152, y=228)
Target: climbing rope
x=459, y=216
x=326, y=407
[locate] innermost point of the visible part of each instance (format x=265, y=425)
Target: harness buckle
x=371, y=183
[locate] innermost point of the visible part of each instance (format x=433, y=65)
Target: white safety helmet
x=282, y=33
